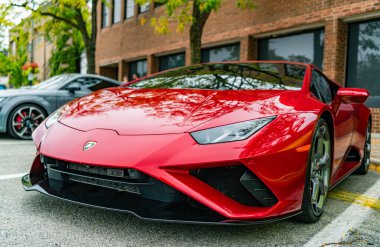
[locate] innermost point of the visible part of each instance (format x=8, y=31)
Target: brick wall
x=375, y=120
x=129, y=40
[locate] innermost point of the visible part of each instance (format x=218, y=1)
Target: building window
x=137, y=69
x=129, y=8
x=306, y=47
x=105, y=15
x=171, y=61
x=158, y=4
x=363, y=60
x=221, y=53
x=116, y=11
x=144, y=8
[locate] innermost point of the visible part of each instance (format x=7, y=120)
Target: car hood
x=164, y=111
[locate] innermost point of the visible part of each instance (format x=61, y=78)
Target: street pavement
x=351, y=217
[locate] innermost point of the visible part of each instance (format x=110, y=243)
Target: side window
x=321, y=87
x=75, y=82
x=97, y=84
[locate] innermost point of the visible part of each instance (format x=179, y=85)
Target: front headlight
x=230, y=133
x=53, y=118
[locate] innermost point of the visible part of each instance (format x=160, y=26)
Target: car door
x=64, y=95
x=343, y=114
x=87, y=85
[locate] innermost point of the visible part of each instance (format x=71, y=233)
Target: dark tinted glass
x=363, y=65
x=138, y=68
x=304, y=47
x=105, y=15
x=229, y=77
x=221, y=54
x=322, y=86
x=116, y=7
x=171, y=61
x=100, y=84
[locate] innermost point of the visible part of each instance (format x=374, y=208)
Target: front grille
x=238, y=183
x=121, y=180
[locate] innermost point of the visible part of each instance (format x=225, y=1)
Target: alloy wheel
x=320, y=170
x=367, y=148
x=25, y=120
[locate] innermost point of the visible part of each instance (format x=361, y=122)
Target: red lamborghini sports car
x=219, y=143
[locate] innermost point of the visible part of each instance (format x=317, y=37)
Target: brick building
x=342, y=37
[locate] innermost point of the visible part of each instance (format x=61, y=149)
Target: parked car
x=22, y=110
x=218, y=143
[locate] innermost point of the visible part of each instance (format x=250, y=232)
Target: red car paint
x=148, y=130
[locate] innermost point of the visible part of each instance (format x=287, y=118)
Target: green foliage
x=180, y=12
x=68, y=47
x=12, y=65
x=78, y=15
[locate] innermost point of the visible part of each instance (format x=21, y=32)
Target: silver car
x=22, y=110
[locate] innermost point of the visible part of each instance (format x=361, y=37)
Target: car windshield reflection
x=264, y=76
x=52, y=83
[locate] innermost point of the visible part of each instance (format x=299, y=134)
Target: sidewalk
x=375, y=149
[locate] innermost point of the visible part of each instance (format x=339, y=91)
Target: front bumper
x=170, y=159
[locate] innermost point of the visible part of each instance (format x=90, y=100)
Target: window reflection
x=221, y=54
x=229, y=77
x=137, y=69
x=305, y=47
x=363, y=65
x=171, y=61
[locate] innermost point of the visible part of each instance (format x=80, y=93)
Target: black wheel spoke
x=25, y=120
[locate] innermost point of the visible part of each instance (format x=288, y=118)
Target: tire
x=23, y=120
x=317, y=175
x=363, y=168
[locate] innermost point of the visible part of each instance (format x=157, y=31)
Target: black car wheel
x=318, y=174
x=24, y=119
x=363, y=168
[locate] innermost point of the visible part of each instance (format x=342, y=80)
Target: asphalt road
x=32, y=219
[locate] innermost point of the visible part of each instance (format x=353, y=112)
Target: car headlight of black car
x=53, y=118
x=230, y=133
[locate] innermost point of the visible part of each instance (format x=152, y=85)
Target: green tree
x=68, y=47
x=189, y=12
x=12, y=64
x=78, y=14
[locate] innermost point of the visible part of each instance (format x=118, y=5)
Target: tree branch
x=60, y=18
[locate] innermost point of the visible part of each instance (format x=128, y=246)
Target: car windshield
x=229, y=76
x=53, y=83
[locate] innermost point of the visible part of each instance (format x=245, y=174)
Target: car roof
x=77, y=75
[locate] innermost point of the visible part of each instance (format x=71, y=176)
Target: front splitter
x=145, y=209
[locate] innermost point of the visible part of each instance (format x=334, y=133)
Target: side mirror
x=353, y=95
x=72, y=87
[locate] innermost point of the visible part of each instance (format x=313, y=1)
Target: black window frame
x=160, y=68
x=126, y=17
x=105, y=22
x=208, y=49
x=114, y=11
x=130, y=74
x=373, y=100
x=320, y=57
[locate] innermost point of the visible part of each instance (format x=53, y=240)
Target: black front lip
x=144, y=209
